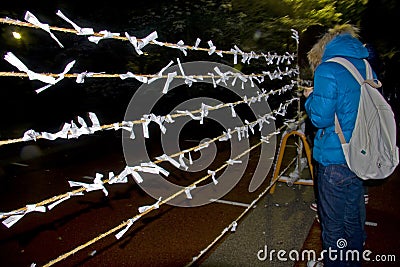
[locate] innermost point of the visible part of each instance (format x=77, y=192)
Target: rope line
x=122, y=38
x=83, y=189
x=176, y=115
x=120, y=226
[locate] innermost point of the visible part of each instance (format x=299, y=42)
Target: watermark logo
x=340, y=254
x=148, y=96
x=341, y=243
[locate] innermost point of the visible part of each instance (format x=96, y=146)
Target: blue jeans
x=341, y=210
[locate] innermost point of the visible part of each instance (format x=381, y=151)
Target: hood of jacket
x=338, y=41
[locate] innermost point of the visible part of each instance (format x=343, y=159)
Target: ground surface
x=168, y=236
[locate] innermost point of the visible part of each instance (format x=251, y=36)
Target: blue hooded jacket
x=335, y=91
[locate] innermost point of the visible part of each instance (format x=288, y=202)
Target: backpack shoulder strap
x=356, y=74
x=351, y=68
x=338, y=131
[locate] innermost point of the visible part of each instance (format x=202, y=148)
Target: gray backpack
x=371, y=152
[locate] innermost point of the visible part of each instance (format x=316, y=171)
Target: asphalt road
x=168, y=236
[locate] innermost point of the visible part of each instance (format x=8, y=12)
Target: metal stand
x=294, y=176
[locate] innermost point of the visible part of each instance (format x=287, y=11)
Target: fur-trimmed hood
x=338, y=41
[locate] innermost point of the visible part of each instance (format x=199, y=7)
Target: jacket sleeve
x=321, y=104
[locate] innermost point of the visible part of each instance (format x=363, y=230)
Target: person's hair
x=315, y=54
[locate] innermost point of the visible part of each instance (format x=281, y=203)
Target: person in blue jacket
x=340, y=198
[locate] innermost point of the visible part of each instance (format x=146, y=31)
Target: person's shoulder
x=329, y=68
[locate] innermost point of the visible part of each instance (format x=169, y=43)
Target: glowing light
x=16, y=35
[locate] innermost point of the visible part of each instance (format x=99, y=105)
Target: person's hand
x=307, y=91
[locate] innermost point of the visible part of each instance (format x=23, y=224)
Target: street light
x=16, y=35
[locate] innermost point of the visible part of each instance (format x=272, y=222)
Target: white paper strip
x=120, y=179
x=106, y=35
x=196, y=45
x=170, y=77
x=181, y=46
x=190, y=114
x=231, y=161
x=80, y=31
x=145, y=126
x=51, y=206
x=131, y=75
x=7, y=214
x=133, y=171
x=212, y=47
x=165, y=157
x=13, y=60
x=182, y=162
x=122, y=232
x=228, y=135
x=201, y=146
x=212, y=173
x=95, y=122
x=187, y=191
x=138, y=44
x=30, y=135
x=60, y=77
x=10, y=221
x=80, y=78
x=153, y=168
x=234, y=225
x=29, y=17
x=160, y=73
x=97, y=184
x=155, y=206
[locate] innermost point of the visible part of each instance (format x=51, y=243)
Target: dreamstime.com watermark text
x=333, y=254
